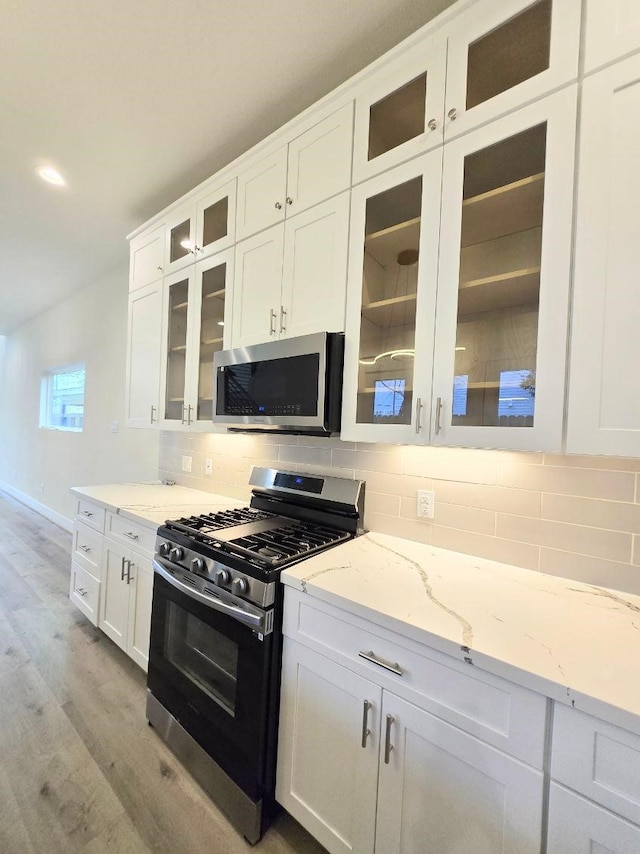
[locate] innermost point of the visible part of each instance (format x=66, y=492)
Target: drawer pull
x=81, y=591
x=85, y=549
x=365, y=717
x=370, y=656
x=130, y=534
x=86, y=513
x=388, y=747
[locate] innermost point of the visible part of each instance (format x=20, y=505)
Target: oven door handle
x=253, y=621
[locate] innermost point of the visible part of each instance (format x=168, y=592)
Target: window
x=62, y=398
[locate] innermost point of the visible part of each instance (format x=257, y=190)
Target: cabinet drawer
x=581, y=827
x=87, y=548
x=131, y=533
x=598, y=759
x=91, y=514
x=500, y=713
x=84, y=592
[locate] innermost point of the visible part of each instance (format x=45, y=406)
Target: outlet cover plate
x=186, y=463
x=426, y=500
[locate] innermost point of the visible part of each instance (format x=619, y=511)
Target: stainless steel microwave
x=290, y=386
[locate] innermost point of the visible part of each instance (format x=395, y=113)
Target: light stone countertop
x=153, y=503
x=576, y=643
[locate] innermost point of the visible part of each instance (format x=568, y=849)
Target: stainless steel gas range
x=216, y=631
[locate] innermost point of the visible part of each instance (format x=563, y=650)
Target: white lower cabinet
x=578, y=826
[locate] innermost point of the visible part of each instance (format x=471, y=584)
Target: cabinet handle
x=130, y=534
x=388, y=747
x=153, y=409
x=189, y=408
x=86, y=513
x=85, y=549
x=81, y=591
x=183, y=420
x=289, y=200
x=159, y=269
x=418, y=414
x=432, y=124
x=129, y=578
x=122, y=570
x=283, y=317
x=278, y=206
x=370, y=656
x=365, y=717
x=272, y=322
x=453, y=114
x=437, y=427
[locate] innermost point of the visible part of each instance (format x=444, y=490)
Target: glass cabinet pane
x=180, y=241
x=499, y=284
x=215, y=221
x=388, y=313
x=211, y=333
x=176, y=351
x=510, y=54
x=397, y=118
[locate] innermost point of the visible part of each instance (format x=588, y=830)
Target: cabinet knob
x=278, y=206
x=159, y=269
x=432, y=124
x=453, y=114
x=289, y=200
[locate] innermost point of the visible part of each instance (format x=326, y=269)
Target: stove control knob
x=239, y=586
x=222, y=577
x=165, y=549
x=198, y=564
x=176, y=553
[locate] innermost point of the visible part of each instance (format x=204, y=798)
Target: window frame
x=47, y=398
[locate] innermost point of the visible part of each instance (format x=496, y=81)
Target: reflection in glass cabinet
x=211, y=335
x=176, y=351
x=499, y=283
x=180, y=241
x=388, y=313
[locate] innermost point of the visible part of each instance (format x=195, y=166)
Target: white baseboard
x=40, y=508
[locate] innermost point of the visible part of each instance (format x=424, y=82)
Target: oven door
x=216, y=677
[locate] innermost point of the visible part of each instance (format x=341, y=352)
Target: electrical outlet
x=425, y=503
x=115, y=426
x=208, y=466
x=42, y=487
x=186, y=464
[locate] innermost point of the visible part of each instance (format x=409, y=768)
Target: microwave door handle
x=253, y=621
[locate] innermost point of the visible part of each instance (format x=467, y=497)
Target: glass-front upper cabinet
x=504, y=53
x=391, y=301
x=503, y=282
x=197, y=322
x=201, y=228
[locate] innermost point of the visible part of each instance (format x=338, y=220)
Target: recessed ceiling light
x=51, y=176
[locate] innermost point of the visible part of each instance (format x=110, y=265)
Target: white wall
x=89, y=327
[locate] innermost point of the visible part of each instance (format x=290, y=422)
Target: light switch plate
x=208, y=466
x=186, y=463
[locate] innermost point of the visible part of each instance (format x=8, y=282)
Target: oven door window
x=203, y=655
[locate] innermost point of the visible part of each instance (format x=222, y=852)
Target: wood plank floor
x=80, y=770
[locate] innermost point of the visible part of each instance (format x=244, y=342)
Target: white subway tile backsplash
x=611, y=515
x=481, y=545
x=590, y=570
x=560, y=535
x=591, y=483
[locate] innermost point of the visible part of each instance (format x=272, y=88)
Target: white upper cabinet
x=146, y=258
x=143, y=355
x=604, y=381
x=257, y=287
x=612, y=30
x=497, y=56
x=201, y=228
x=312, y=167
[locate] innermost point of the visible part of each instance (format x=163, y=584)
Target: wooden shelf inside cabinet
x=517, y=287
x=505, y=210
x=215, y=294
x=483, y=385
x=179, y=306
x=211, y=341
x=384, y=246
x=181, y=348
x=395, y=311
x=175, y=400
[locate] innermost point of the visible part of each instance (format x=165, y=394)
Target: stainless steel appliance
x=216, y=630
x=292, y=386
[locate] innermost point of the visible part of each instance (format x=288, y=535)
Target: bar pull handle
x=189, y=408
x=183, y=420
x=130, y=534
x=418, y=414
x=81, y=591
x=283, y=318
x=85, y=549
x=129, y=578
x=370, y=656
x=272, y=322
x=437, y=427
x=388, y=747
x=365, y=719
x=153, y=409
x=86, y=513
x=122, y=569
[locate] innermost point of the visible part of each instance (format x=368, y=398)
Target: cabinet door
x=604, y=383
x=399, y=113
x=210, y=325
x=579, y=826
x=314, y=277
x=180, y=240
x=503, y=280
x=215, y=220
x=257, y=288
x=143, y=356
x=443, y=790
x=391, y=291
x=612, y=29
x=139, y=623
x=505, y=53
x=146, y=258
x=328, y=750
x=114, y=595
x=262, y=194
x=319, y=161
x=178, y=294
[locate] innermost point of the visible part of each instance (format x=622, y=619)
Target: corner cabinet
x=457, y=305
x=144, y=346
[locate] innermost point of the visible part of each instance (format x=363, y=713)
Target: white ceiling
x=137, y=101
